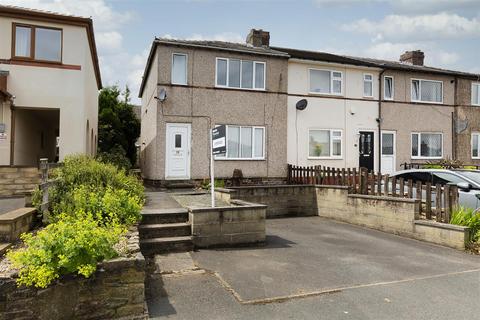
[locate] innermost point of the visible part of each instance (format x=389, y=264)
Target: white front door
x=177, y=154
x=388, y=152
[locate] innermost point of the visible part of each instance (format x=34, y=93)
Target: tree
x=118, y=125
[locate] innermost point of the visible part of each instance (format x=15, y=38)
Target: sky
x=448, y=31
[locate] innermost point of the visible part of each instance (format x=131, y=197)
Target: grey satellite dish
x=302, y=104
x=162, y=95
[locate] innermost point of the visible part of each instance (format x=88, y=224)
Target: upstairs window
x=388, y=88
x=427, y=91
x=326, y=81
x=179, y=68
x=37, y=43
x=368, y=85
x=241, y=74
x=427, y=145
x=476, y=94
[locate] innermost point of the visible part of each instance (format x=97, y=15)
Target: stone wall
x=239, y=224
x=441, y=233
x=15, y=180
x=115, y=291
x=16, y=222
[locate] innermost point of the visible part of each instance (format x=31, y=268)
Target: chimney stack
x=413, y=57
x=258, y=38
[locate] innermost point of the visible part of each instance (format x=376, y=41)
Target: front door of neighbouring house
x=388, y=152
x=366, y=148
x=177, y=154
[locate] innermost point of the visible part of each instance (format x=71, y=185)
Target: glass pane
x=387, y=144
x=221, y=72
x=320, y=81
x=337, y=75
x=431, y=91
x=234, y=74
x=337, y=86
x=259, y=76
x=179, y=69
x=388, y=88
x=48, y=44
x=22, y=41
x=319, y=143
x=368, y=88
x=368, y=77
x=258, y=143
x=475, y=145
x=247, y=74
x=246, y=140
x=178, y=141
x=233, y=142
x=414, y=145
x=415, y=90
x=430, y=145
x=476, y=94
x=337, y=147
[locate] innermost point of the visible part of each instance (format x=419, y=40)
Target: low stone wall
x=15, y=180
x=240, y=224
x=442, y=233
x=115, y=291
x=16, y=222
x=282, y=200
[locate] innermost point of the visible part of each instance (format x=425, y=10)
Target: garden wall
x=15, y=180
x=239, y=224
x=116, y=291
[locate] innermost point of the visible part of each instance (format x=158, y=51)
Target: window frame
x=478, y=145
x=331, y=82
x=419, y=156
x=331, y=156
x=371, y=81
x=393, y=88
x=32, y=42
x=420, y=90
x=253, y=158
x=478, y=90
x=253, y=88
x=186, y=69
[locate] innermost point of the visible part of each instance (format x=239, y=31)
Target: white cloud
x=109, y=41
x=422, y=27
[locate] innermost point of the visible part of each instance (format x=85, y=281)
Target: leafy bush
x=116, y=156
x=467, y=217
x=446, y=163
x=67, y=246
x=219, y=183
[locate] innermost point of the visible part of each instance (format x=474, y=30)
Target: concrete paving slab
x=160, y=200
x=174, y=263
x=305, y=255
x=11, y=203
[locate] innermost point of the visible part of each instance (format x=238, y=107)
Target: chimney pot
x=415, y=58
x=258, y=38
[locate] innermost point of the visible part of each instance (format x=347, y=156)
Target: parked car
x=467, y=181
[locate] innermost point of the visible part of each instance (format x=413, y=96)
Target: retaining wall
x=15, y=180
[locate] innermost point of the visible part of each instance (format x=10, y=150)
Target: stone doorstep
x=17, y=214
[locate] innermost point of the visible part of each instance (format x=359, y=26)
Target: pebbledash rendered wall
x=390, y=214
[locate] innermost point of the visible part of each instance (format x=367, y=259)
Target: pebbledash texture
x=115, y=291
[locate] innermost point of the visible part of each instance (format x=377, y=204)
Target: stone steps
x=156, y=216
x=149, y=231
x=154, y=246
x=4, y=247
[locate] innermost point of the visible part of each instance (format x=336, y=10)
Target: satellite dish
x=302, y=104
x=162, y=95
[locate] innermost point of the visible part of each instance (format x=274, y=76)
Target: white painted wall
x=330, y=112
x=73, y=92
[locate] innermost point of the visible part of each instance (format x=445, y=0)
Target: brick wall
x=18, y=180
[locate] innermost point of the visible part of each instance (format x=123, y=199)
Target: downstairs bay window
x=324, y=144
x=244, y=143
x=427, y=145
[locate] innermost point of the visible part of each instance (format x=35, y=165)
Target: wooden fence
x=437, y=201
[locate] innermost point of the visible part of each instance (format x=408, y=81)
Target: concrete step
x=179, y=229
x=4, y=247
x=158, y=216
x=154, y=246
x=179, y=184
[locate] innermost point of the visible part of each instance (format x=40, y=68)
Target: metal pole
x=212, y=179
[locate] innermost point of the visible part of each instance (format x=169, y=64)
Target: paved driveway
x=313, y=268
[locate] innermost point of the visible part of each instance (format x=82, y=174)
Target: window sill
x=427, y=102
x=426, y=158
x=326, y=94
x=239, y=159
x=324, y=158
x=179, y=84
x=39, y=63
x=248, y=89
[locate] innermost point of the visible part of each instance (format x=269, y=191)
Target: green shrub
x=117, y=157
x=469, y=218
x=219, y=183
x=70, y=245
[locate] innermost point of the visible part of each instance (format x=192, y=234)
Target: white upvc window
x=244, y=143
x=427, y=145
x=240, y=74
x=326, y=81
x=324, y=144
x=179, y=68
x=475, y=145
x=476, y=94
x=367, y=85
x=388, y=88
x=428, y=91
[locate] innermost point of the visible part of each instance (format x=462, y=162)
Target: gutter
x=379, y=120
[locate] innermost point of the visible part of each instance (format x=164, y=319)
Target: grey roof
x=222, y=45
x=369, y=62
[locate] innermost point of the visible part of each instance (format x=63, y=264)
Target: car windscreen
x=472, y=175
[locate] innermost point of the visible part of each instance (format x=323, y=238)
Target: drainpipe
x=454, y=120
x=379, y=120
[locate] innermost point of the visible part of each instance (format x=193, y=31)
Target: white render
x=73, y=92
x=331, y=112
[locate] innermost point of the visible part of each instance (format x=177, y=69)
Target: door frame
x=189, y=146
x=394, y=147
x=359, y=130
